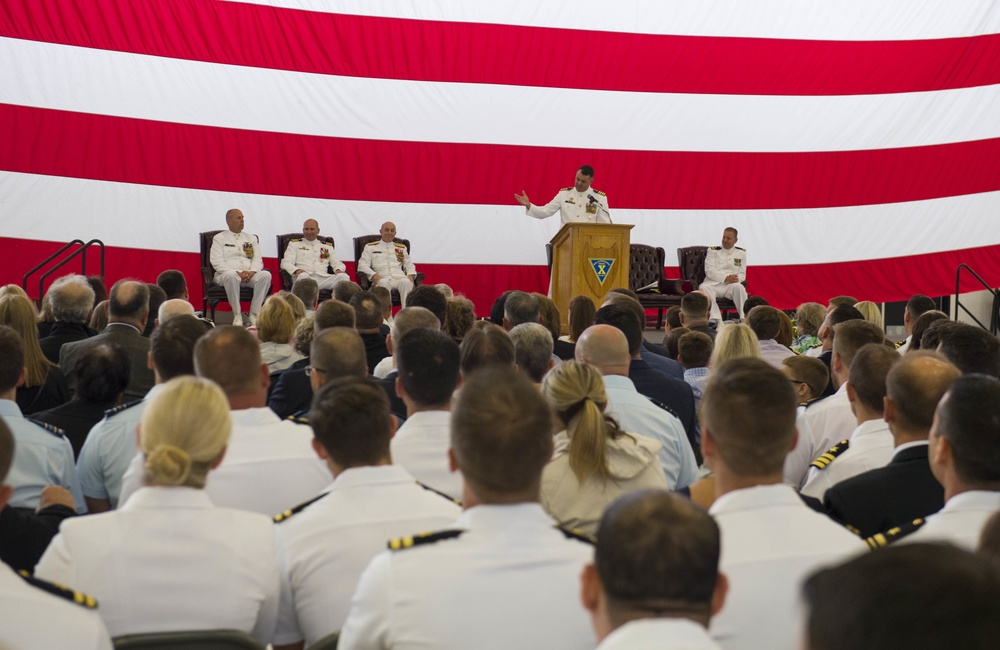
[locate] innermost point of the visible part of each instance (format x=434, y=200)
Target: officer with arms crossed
x=580, y=203
x=237, y=260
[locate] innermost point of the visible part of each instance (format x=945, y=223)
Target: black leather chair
x=194, y=640
x=645, y=277
x=366, y=282
x=691, y=260
x=213, y=294
x=286, y=279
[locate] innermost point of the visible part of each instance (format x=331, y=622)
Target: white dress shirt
x=324, y=548
x=511, y=579
x=770, y=542
x=574, y=207
x=961, y=520
x=824, y=424
x=168, y=560
x=870, y=447
x=659, y=634
x=421, y=447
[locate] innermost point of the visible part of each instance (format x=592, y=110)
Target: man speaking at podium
x=577, y=204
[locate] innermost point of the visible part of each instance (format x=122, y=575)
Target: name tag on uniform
x=230, y=245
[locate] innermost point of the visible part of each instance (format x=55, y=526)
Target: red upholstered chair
x=646, y=279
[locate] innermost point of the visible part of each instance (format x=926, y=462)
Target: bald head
x=230, y=356
x=234, y=219
x=388, y=231
x=310, y=229
x=129, y=303
x=606, y=347
x=173, y=308
x=914, y=387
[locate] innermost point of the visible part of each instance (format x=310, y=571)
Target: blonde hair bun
x=168, y=465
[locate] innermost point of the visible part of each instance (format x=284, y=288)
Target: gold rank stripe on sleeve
x=599, y=192
x=403, y=543
x=880, y=540
x=78, y=597
x=297, y=509
x=831, y=454
x=900, y=344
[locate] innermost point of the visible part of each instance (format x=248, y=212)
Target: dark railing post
x=81, y=251
x=994, y=306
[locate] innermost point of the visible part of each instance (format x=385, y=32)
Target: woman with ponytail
x=168, y=560
x=594, y=462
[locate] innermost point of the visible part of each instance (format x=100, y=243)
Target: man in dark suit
x=905, y=489
x=128, y=310
x=673, y=394
x=368, y=319
x=72, y=300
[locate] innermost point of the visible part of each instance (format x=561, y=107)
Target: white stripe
x=172, y=90
x=165, y=218
x=841, y=20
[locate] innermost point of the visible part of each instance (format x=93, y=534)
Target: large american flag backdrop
x=855, y=144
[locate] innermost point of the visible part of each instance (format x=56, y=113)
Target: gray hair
x=532, y=349
x=72, y=299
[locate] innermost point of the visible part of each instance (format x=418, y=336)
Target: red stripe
x=786, y=287
x=79, y=145
x=392, y=48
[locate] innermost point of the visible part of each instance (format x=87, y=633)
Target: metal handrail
x=79, y=251
x=994, y=309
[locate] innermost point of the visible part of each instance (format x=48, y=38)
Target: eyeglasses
x=311, y=369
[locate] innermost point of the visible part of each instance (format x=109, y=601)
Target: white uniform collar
x=759, y=496
x=185, y=498
x=9, y=408
x=870, y=428
x=973, y=500
x=504, y=517
x=372, y=475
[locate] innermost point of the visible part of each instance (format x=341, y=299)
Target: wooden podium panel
x=588, y=259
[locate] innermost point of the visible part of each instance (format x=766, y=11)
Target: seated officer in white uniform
x=310, y=257
x=238, y=260
x=170, y=560
x=655, y=580
x=725, y=272
x=38, y=614
x=324, y=544
x=503, y=576
x=44, y=455
x=580, y=203
x=770, y=538
x=387, y=263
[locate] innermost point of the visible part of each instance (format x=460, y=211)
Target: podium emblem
x=601, y=268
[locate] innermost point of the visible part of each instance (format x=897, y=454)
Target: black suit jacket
x=24, y=535
x=889, y=496
x=704, y=329
x=375, y=349
x=135, y=345
x=396, y=405
x=63, y=333
x=292, y=391
x=673, y=393
x=564, y=349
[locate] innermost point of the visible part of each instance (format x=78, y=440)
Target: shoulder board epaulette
x=292, y=241
x=853, y=529
x=715, y=248
x=664, y=407
x=77, y=597
x=566, y=188
x=121, y=407
x=440, y=493
x=599, y=192
x=297, y=509
x=54, y=430
x=373, y=243
x=824, y=461
x=893, y=534
x=403, y=543
x=740, y=249
x=901, y=344
x=578, y=535
x=301, y=417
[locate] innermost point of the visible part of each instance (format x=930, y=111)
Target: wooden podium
x=588, y=259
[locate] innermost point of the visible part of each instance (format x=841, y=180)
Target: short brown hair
x=869, y=370
x=765, y=321
x=333, y=313
x=486, y=346
x=350, y=416
x=810, y=371
x=501, y=433
x=694, y=350
x=749, y=408
x=229, y=356
x=851, y=336
x=916, y=384
x=338, y=352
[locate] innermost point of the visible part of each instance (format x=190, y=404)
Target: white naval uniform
x=31, y=618
x=771, y=540
x=960, y=521
x=659, y=634
x=510, y=579
x=109, y=448
x=269, y=466
x=316, y=258
x=391, y=261
x=234, y=252
x=421, y=446
x=323, y=548
x=824, y=424
x=870, y=447
x=574, y=207
x=636, y=413
x=42, y=457
x=169, y=560
x=720, y=263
